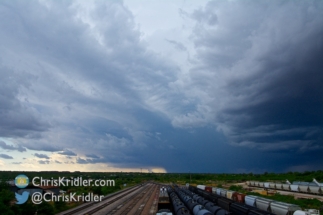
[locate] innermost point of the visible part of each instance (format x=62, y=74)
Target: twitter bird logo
x=22, y=198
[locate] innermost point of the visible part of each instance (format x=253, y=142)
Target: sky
x=221, y=86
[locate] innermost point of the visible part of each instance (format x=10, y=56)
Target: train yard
x=158, y=199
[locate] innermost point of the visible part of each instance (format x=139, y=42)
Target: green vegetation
x=8, y=208
x=237, y=188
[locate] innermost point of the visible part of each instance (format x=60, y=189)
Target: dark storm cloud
x=19, y=148
x=87, y=73
x=6, y=156
x=40, y=144
x=78, y=79
x=41, y=156
x=18, y=117
x=263, y=75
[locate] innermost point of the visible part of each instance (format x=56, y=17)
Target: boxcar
x=230, y=193
x=238, y=197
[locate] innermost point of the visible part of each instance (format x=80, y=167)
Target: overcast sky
x=166, y=86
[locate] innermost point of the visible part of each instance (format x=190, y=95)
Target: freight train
x=300, y=187
x=241, y=204
x=229, y=205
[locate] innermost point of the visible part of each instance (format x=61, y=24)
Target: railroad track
x=94, y=210
x=144, y=202
x=90, y=204
x=132, y=202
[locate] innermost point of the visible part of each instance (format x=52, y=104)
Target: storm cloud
x=99, y=83
x=259, y=80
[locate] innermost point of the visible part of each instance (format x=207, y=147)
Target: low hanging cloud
x=5, y=146
x=67, y=152
x=43, y=162
x=6, y=156
x=41, y=155
x=92, y=156
x=83, y=161
x=17, y=163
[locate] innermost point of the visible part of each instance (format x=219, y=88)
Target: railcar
x=263, y=204
x=254, y=205
x=195, y=203
x=307, y=212
x=164, y=212
x=163, y=199
x=230, y=194
x=225, y=203
x=300, y=187
x=251, y=200
x=238, y=197
x=281, y=208
x=178, y=207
